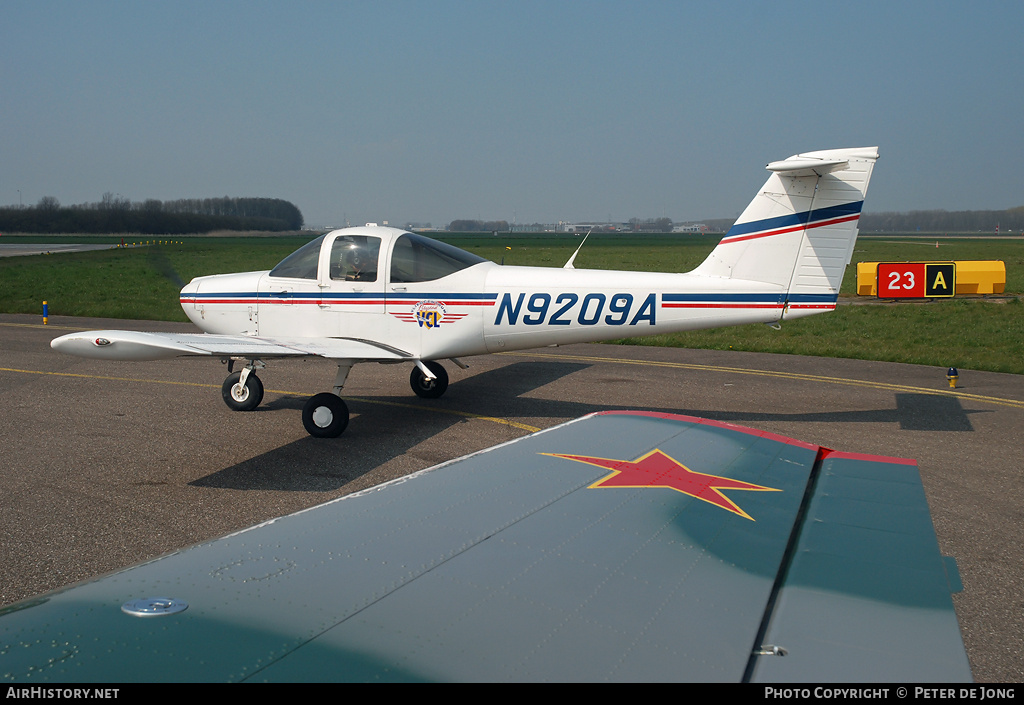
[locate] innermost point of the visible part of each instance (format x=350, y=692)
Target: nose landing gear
x=242, y=391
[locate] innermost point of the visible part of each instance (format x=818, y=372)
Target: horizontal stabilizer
x=806, y=167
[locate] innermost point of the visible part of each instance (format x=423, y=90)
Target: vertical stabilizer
x=798, y=233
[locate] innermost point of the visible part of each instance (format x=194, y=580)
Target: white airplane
x=377, y=294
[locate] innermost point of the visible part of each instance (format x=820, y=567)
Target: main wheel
x=242, y=398
x=426, y=387
x=325, y=415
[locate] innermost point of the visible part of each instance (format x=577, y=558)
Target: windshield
x=302, y=263
x=420, y=259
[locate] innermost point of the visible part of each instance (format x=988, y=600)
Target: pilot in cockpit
x=354, y=258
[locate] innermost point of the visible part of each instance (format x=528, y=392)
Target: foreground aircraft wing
x=137, y=345
x=624, y=546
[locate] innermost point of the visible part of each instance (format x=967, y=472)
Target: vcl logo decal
x=429, y=313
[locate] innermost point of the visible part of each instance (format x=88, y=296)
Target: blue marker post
x=46, y=310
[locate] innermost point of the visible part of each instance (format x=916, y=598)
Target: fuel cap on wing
x=153, y=606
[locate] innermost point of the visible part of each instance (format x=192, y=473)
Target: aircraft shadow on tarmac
x=913, y=412
x=388, y=427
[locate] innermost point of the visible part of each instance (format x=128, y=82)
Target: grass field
x=143, y=282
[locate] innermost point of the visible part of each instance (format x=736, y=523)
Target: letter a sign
x=939, y=279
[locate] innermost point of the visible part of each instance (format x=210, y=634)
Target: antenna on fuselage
x=568, y=265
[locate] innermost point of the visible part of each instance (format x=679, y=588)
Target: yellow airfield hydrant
x=952, y=375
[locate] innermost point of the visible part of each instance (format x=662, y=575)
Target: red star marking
x=655, y=469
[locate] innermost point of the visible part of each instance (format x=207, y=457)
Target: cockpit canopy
x=414, y=258
x=420, y=259
x=302, y=263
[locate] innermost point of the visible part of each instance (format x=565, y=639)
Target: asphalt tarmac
x=19, y=249
x=105, y=464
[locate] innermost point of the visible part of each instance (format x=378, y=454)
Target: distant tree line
x=940, y=221
x=118, y=215
x=477, y=226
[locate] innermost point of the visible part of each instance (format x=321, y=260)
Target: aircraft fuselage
x=482, y=308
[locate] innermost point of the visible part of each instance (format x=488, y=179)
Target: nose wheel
x=242, y=391
x=325, y=415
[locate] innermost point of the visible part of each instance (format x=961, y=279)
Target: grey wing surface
x=623, y=546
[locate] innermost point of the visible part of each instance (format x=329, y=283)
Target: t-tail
x=799, y=231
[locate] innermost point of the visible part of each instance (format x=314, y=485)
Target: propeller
x=158, y=260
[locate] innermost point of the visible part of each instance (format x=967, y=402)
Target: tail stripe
x=832, y=215
x=778, y=302
x=669, y=299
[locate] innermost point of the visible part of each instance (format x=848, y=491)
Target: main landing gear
x=325, y=415
x=429, y=386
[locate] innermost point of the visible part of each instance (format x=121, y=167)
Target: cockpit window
x=354, y=258
x=419, y=259
x=302, y=263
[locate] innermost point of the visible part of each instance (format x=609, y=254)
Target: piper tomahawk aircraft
x=377, y=294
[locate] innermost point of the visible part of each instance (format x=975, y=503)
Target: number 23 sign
x=916, y=280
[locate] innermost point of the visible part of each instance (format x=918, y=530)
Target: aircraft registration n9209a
x=377, y=294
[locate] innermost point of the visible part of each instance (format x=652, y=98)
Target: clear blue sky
x=434, y=110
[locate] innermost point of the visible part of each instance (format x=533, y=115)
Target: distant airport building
x=595, y=227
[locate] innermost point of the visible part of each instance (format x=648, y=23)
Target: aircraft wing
x=623, y=546
x=137, y=345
